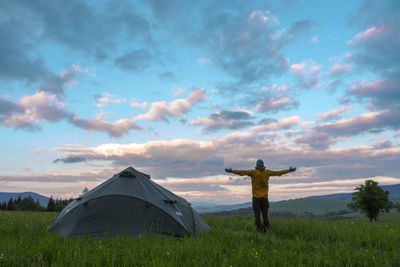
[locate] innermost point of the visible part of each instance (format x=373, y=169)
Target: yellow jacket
x=259, y=179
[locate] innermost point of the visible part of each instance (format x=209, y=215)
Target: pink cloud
x=68, y=76
x=386, y=119
x=275, y=104
x=308, y=78
x=370, y=34
x=181, y=160
x=109, y=99
x=282, y=124
x=332, y=114
x=298, y=68
x=204, y=60
x=383, y=92
x=160, y=111
x=224, y=119
x=338, y=69
x=136, y=104
x=115, y=129
x=28, y=111
x=260, y=17
x=314, y=40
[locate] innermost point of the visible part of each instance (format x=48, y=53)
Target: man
x=259, y=184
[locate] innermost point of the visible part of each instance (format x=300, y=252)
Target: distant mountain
x=394, y=193
x=5, y=196
x=203, y=204
x=302, y=205
x=219, y=208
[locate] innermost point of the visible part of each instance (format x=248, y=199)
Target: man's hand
x=228, y=170
x=292, y=169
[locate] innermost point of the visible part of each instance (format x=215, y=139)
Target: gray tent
x=129, y=203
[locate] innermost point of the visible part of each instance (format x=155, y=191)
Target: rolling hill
x=315, y=205
x=5, y=196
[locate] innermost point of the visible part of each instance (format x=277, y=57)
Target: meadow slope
x=232, y=242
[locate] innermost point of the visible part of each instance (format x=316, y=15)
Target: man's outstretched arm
x=279, y=173
x=239, y=172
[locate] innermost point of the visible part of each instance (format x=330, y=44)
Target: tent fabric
x=129, y=203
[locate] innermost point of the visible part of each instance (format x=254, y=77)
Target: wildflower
x=1, y=256
x=168, y=253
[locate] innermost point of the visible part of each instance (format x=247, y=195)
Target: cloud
x=234, y=37
x=224, y=119
x=78, y=27
x=108, y=99
x=136, y=60
x=240, y=150
x=314, y=40
x=377, y=45
x=30, y=110
x=333, y=85
x=93, y=31
x=135, y=104
x=8, y=108
x=273, y=99
x=338, y=69
x=281, y=124
x=114, y=129
x=384, y=145
x=332, y=114
x=307, y=78
x=275, y=104
x=316, y=139
x=70, y=160
x=18, y=30
x=160, y=111
x=203, y=60
x=22, y=26
x=367, y=122
x=382, y=92
x=217, y=161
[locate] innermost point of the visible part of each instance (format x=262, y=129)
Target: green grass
x=314, y=206
x=24, y=241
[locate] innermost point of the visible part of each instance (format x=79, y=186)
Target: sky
x=182, y=90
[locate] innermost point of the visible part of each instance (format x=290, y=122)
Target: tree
x=397, y=205
x=85, y=190
x=371, y=199
x=51, y=205
x=28, y=203
x=10, y=204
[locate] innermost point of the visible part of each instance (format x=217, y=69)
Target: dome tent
x=129, y=203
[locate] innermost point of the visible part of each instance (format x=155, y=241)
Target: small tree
x=10, y=205
x=85, y=190
x=397, y=205
x=371, y=199
x=51, y=205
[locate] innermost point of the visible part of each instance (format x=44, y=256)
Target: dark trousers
x=260, y=207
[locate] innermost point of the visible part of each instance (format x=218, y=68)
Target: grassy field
x=233, y=241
